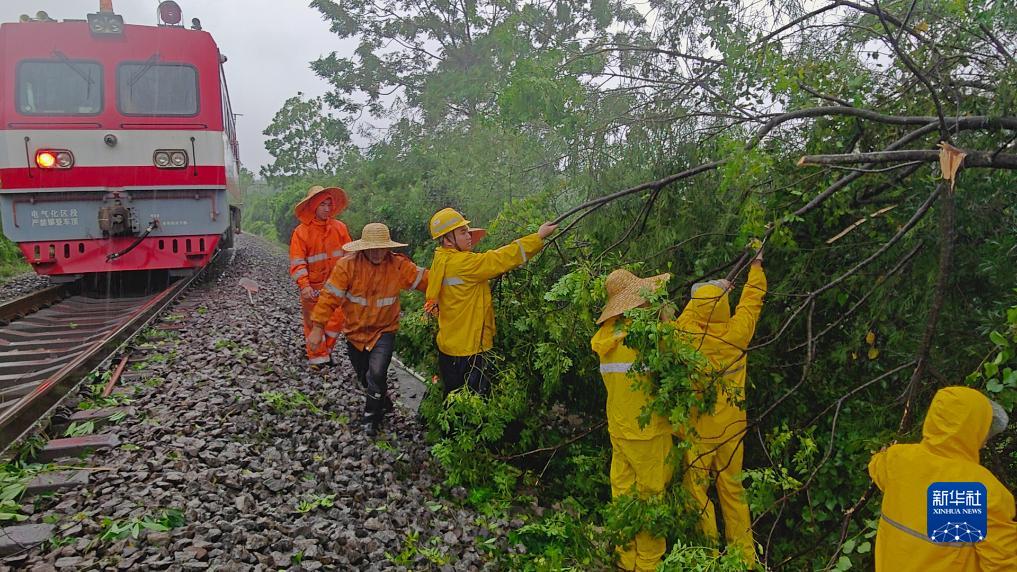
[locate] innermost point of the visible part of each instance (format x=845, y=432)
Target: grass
x=12, y=262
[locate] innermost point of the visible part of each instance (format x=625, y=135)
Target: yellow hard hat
x=446, y=220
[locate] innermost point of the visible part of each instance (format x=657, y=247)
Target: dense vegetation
x=11, y=260
x=681, y=132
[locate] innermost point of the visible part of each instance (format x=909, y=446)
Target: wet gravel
x=204, y=438
x=21, y=285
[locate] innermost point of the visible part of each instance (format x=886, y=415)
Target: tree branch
x=974, y=122
x=986, y=159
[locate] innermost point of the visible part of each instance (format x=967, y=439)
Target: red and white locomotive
x=118, y=148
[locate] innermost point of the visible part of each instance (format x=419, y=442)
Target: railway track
x=53, y=339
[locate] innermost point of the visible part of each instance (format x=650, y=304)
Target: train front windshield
x=61, y=87
x=157, y=89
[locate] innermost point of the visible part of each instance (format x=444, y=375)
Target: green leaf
x=1010, y=377
x=998, y=339
x=12, y=491
x=844, y=563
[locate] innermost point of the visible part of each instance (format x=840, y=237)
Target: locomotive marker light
x=45, y=160
x=170, y=13
x=105, y=22
x=54, y=159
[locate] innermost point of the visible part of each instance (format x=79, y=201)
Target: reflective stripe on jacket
x=459, y=286
x=314, y=249
x=723, y=339
x=369, y=295
x=624, y=404
x=955, y=428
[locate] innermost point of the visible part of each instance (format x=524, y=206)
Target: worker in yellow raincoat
x=959, y=422
x=459, y=293
x=638, y=455
x=716, y=446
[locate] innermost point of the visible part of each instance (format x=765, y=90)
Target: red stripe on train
x=19, y=177
x=81, y=256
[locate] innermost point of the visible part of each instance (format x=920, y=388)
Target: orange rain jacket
x=954, y=431
x=315, y=247
x=368, y=295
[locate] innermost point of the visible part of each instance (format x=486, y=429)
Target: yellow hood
x=957, y=423
x=709, y=309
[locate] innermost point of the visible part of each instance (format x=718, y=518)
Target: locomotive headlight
x=54, y=159
x=170, y=158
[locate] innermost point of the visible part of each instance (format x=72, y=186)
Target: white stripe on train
x=134, y=147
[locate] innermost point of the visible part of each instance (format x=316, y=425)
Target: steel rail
x=25, y=305
x=21, y=417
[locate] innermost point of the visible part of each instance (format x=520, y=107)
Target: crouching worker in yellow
x=716, y=448
x=458, y=291
x=959, y=422
x=638, y=455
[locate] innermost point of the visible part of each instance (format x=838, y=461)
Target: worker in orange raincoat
x=365, y=286
x=716, y=445
x=959, y=422
x=315, y=247
x=638, y=455
x=458, y=291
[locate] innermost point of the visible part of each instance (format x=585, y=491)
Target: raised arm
x=486, y=265
x=750, y=305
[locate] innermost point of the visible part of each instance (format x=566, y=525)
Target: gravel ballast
x=22, y=285
x=264, y=479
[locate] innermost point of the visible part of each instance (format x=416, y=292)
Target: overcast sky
x=270, y=44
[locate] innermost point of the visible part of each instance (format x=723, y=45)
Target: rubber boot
x=374, y=411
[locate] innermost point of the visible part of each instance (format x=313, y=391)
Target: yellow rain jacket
x=717, y=447
x=623, y=402
x=639, y=455
x=955, y=429
x=723, y=339
x=458, y=284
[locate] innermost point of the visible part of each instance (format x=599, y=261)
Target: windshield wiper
x=140, y=73
x=85, y=76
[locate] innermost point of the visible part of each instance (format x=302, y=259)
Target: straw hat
x=623, y=292
x=375, y=235
x=446, y=220
x=304, y=211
